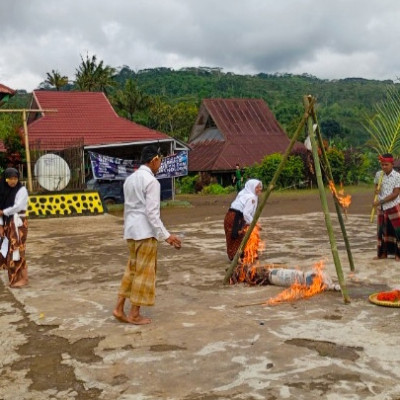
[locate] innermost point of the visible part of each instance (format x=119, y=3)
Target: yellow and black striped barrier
x=65, y=204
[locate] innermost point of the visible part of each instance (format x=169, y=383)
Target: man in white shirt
x=388, y=206
x=143, y=229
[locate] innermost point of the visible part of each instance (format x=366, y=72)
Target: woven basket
x=373, y=299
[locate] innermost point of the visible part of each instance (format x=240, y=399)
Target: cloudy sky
x=330, y=39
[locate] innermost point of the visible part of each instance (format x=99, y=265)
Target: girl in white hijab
x=240, y=214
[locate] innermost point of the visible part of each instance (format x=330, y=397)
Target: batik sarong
x=233, y=225
x=14, y=261
x=139, y=280
x=389, y=232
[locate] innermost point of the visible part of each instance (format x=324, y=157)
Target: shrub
x=215, y=188
x=187, y=184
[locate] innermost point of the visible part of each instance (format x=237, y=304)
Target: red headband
x=386, y=159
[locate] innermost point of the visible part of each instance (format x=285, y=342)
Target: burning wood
x=344, y=200
x=305, y=285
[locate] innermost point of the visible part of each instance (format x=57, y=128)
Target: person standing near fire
x=13, y=227
x=388, y=209
x=240, y=214
x=142, y=230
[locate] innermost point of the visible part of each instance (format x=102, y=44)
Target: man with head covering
x=13, y=227
x=240, y=214
x=388, y=209
x=142, y=230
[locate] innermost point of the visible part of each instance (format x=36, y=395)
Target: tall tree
x=54, y=78
x=130, y=99
x=92, y=76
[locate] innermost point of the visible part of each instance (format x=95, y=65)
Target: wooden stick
x=329, y=174
x=371, y=219
x=324, y=204
x=268, y=192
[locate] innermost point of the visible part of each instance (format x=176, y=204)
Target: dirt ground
x=207, y=342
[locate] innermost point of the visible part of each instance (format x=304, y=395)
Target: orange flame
x=247, y=268
x=344, y=200
x=253, y=246
x=301, y=290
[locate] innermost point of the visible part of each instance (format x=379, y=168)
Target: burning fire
x=344, y=200
x=302, y=290
x=247, y=268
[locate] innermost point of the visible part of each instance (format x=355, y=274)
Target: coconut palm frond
x=384, y=126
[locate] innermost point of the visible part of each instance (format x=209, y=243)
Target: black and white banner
x=113, y=168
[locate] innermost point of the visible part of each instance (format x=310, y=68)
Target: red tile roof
x=6, y=90
x=87, y=115
x=246, y=131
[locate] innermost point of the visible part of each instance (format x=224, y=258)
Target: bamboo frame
x=309, y=102
x=267, y=193
x=328, y=172
x=324, y=203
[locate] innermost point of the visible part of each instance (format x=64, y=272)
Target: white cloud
x=328, y=39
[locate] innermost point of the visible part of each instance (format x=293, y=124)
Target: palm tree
x=384, y=128
x=55, y=79
x=130, y=99
x=91, y=76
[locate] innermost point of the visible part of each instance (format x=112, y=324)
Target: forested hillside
x=342, y=104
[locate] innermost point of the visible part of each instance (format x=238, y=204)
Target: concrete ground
x=58, y=339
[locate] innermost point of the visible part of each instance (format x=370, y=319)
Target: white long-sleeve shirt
x=247, y=205
x=142, y=206
x=20, y=204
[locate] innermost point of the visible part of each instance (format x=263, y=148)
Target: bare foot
x=139, y=320
x=19, y=284
x=120, y=317
x=397, y=258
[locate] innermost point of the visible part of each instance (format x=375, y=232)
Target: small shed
x=73, y=123
x=233, y=131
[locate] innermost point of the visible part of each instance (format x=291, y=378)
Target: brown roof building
x=231, y=131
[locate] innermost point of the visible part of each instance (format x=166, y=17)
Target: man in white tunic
x=143, y=229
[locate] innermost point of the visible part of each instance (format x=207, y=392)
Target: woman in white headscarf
x=240, y=214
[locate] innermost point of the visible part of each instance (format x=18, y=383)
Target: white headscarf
x=246, y=201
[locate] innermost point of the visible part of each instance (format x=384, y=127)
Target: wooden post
x=267, y=193
x=324, y=204
x=27, y=151
x=335, y=200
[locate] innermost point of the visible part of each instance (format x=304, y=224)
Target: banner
x=113, y=168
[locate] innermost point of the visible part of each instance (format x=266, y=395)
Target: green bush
x=215, y=188
x=292, y=173
x=187, y=184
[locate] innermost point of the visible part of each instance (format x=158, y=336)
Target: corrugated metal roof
x=87, y=115
x=249, y=129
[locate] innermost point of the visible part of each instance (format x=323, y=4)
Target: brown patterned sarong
x=388, y=232
x=233, y=225
x=139, y=280
x=16, y=242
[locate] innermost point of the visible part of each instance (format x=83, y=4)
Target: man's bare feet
x=120, y=316
x=19, y=284
x=397, y=258
x=138, y=320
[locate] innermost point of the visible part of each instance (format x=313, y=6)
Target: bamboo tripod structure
x=308, y=120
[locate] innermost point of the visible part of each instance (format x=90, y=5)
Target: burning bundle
x=343, y=200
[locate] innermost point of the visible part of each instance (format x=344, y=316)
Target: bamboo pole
x=324, y=204
x=268, y=192
x=329, y=174
x=371, y=218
